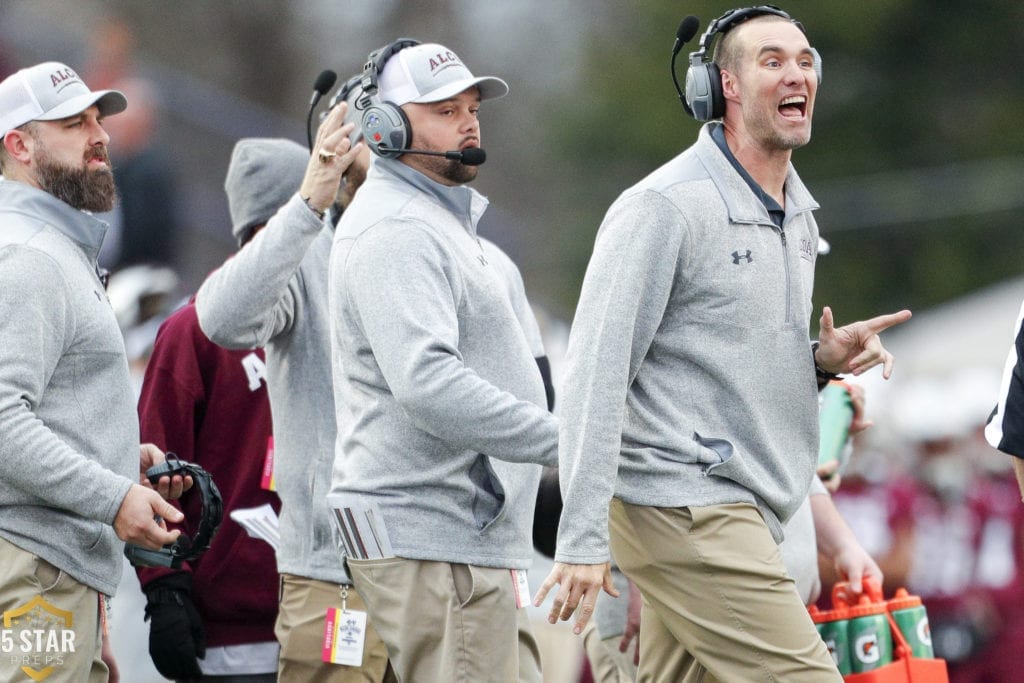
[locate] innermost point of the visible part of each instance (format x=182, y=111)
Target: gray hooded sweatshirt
x=273, y=293
x=689, y=376
x=69, y=433
x=429, y=354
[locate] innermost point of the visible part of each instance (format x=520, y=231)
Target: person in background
x=1004, y=429
x=145, y=223
x=943, y=516
x=214, y=618
x=147, y=214
x=70, y=459
x=273, y=294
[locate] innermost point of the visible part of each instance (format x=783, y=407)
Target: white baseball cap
x=431, y=73
x=51, y=91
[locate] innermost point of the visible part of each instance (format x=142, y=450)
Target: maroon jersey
x=209, y=405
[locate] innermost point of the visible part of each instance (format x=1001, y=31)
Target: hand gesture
x=332, y=154
x=855, y=348
x=578, y=585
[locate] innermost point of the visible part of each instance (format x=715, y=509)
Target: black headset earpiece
x=185, y=548
x=383, y=123
x=703, y=98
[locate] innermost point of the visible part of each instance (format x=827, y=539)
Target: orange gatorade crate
x=874, y=640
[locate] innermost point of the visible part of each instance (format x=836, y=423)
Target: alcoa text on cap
x=431, y=73
x=48, y=92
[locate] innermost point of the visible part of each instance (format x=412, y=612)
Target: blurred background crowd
x=917, y=160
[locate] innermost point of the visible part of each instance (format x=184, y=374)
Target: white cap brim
x=490, y=88
x=109, y=102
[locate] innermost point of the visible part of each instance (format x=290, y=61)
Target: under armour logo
x=736, y=256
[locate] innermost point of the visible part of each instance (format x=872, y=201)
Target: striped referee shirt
x=1005, y=428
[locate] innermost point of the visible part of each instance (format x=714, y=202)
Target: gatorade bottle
x=833, y=627
x=869, y=636
x=909, y=613
x=834, y=418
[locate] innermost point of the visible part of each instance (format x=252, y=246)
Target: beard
x=81, y=188
x=450, y=169
x=354, y=177
x=760, y=126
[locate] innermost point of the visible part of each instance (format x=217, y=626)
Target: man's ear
x=730, y=86
x=17, y=145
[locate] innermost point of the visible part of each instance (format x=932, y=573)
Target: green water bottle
x=909, y=613
x=834, y=418
x=833, y=627
x=870, y=637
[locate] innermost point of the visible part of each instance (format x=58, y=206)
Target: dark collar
x=777, y=213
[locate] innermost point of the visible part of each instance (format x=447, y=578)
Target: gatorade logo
x=867, y=649
x=831, y=645
x=924, y=632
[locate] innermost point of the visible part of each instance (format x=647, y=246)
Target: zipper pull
x=480, y=244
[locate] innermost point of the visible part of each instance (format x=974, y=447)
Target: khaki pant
x=50, y=621
x=718, y=603
x=607, y=664
x=448, y=622
x=300, y=631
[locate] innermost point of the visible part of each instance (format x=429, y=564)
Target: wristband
x=824, y=376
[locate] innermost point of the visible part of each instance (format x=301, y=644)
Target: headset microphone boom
x=322, y=84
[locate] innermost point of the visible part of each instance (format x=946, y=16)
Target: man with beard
x=273, y=293
x=448, y=407
x=69, y=435
x=689, y=425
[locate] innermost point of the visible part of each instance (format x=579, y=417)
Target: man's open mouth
x=794, y=106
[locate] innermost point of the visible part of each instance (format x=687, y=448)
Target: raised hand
x=855, y=348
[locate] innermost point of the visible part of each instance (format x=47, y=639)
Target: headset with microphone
x=385, y=126
x=185, y=548
x=703, y=98
x=322, y=84
x=341, y=95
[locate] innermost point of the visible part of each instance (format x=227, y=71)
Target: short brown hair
x=729, y=50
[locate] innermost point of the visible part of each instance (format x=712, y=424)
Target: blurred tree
x=916, y=158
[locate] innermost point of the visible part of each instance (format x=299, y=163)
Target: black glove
x=176, y=636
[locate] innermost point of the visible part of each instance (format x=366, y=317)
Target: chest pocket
x=97, y=330
x=740, y=281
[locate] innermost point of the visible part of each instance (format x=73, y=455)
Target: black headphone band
x=376, y=61
x=184, y=549
x=213, y=512
x=731, y=20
